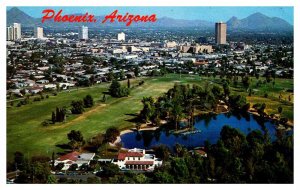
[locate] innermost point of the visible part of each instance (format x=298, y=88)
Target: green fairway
x=26, y=134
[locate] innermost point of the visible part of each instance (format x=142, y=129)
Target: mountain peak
x=258, y=15
x=259, y=21
x=16, y=15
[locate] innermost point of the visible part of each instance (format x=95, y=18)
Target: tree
x=41, y=172
x=122, y=75
x=87, y=60
x=128, y=83
x=76, y=139
x=136, y=71
x=110, y=170
x=19, y=160
x=60, y=115
x=77, y=107
x=93, y=180
x=104, y=98
x=280, y=109
x=233, y=139
x=75, y=135
x=110, y=76
x=148, y=108
x=111, y=134
x=97, y=141
x=226, y=89
x=51, y=179
x=53, y=117
x=246, y=81
x=163, y=177
x=238, y=102
x=176, y=113
x=140, y=179
x=162, y=152
x=116, y=90
x=88, y=101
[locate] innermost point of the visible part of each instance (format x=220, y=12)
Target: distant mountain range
x=256, y=21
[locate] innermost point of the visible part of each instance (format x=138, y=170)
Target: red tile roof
x=139, y=163
x=121, y=156
x=134, y=154
x=70, y=156
x=201, y=152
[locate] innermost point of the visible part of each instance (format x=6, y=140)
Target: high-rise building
x=17, y=31
x=121, y=36
x=10, y=33
x=38, y=32
x=83, y=33
x=220, y=33
x=13, y=32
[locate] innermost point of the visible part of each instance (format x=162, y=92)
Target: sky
x=212, y=14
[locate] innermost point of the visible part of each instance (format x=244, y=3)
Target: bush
x=141, y=83
x=45, y=123
x=256, y=106
x=284, y=120
x=37, y=99
x=111, y=134
x=88, y=101
x=77, y=107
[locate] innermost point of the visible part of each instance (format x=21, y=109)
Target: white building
x=13, y=32
x=121, y=36
x=74, y=158
x=137, y=159
x=38, y=32
x=83, y=33
x=10, y=33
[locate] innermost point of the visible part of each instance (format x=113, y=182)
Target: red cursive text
x=49, y=14
x=128, y=18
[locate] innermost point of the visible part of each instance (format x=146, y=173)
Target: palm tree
x=177, y=113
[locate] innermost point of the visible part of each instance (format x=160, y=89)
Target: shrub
x=37, y=99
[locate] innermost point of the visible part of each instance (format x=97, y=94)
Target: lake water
x=210, y=127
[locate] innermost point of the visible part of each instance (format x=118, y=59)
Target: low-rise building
x=74, y=158
x=137, y=159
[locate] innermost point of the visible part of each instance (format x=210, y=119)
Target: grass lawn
x=26, y=134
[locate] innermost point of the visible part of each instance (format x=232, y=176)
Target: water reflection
x=210, y=126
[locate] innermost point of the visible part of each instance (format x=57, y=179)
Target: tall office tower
x=121, y=36
x=17, y=31
x=9, y=33
x=38, y=32
x=220, y=33
x=83, y=33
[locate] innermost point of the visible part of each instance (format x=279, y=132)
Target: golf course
x=25, y=132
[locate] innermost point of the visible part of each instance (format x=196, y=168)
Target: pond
x=209, y=128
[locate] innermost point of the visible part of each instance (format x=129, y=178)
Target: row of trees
x=76, y=139
x=77, y=107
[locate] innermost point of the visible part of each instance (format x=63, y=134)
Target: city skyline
x=213, y=14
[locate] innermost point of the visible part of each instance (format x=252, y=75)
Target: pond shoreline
x=288, y=126
x=118, y=140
